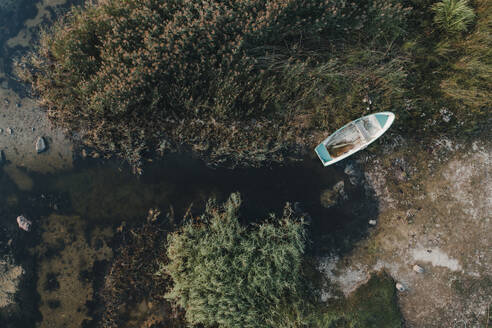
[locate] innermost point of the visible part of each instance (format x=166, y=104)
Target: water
x=75, y=215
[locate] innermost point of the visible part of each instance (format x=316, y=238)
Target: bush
x=135, y=76
x=468, y=80
x=453, y=16
x=228, y=275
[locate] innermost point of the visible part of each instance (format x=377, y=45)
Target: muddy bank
x=435, y=205
x=22, y=122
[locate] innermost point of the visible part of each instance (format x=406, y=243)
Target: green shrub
x=228, y=275
x=135, y=76
x=453, y=16
x=372, y=305
x=468, y=80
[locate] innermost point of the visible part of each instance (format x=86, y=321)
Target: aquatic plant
x=453, y=16
x=228, y=275
x=131, y=77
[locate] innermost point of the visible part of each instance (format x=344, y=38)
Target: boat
x=353, y=136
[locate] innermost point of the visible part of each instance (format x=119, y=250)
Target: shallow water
x=75, y=215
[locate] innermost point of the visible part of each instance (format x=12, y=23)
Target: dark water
x=106, y=193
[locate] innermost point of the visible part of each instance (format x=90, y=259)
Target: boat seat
x=363, y=132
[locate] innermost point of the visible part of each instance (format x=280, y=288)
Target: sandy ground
x=23, y=117
x=435, y=211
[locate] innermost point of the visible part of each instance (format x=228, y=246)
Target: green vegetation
x=468, y=80
x=242, y=82
x=453, y=16
x=372, y=305
x=227, y=275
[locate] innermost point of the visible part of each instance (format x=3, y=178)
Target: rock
x=400, y=287
x=330, y=197
x=372, y=222
x=40, y=145
x=6, y=101
x=10, y=131
x=418, y=269
x=1, y=130
x=18, y=105
x=353, y=174
x=24, y=223
x=95, y=155
x=83, y=153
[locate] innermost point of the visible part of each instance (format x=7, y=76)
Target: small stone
x=1, y=130
x=6, y=101
x=83, y=153
x=10, y=131
x=24, y=223
x=400, y=287
x=95, y=155
x=372, y=222
x=32, y=129
x=353, y=173
x=40, y=145
x=18, y=105
x=418, y=268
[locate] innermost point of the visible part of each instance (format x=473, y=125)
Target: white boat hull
x=353, y=137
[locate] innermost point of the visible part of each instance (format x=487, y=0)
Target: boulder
x=418, y=269
x=24, y=223
x=40, y=145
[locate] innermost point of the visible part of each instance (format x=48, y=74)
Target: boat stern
x=323, y=154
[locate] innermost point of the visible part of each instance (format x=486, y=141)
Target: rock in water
x=372, y=222
x=24, y=223
x=40, y=145
x=331, y=197
x=354, y=174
